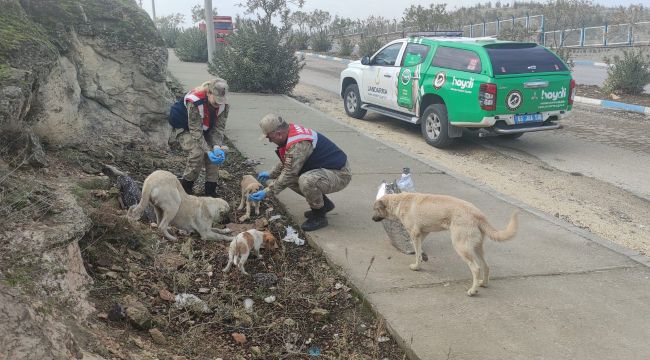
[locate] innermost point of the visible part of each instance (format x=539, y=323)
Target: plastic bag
x=292, y=236
x=397, y=234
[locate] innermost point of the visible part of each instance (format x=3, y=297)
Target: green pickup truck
x=445, y=84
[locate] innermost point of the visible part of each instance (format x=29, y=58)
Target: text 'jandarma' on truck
x=450, y=83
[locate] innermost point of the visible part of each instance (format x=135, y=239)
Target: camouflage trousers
x=313, y=184
x=197, y=159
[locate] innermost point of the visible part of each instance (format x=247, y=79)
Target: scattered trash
x=292, y=236
x=248, y=305
x=405, y=183
x=338, y=286
x=269, y=299
x=275, y=217
x=383, y=339
x=184, y=301
x=314, y=351
x=251, y=162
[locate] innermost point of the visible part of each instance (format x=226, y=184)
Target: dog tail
x=135, y=211
x=500, y=235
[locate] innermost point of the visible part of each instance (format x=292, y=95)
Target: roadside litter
x=396, y=232
x=292, y=236
x=191, y=301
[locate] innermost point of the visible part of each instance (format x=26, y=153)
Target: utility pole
x=209, y=28
x=153, y=10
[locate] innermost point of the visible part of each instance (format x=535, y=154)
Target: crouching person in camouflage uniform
x=310, y=164
x=207, y=113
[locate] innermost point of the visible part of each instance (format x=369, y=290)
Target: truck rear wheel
x=435, y=126
x=352, y=102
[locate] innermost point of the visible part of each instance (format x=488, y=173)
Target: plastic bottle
x=405, y=183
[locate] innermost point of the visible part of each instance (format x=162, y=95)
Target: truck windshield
x=522, y=58
x=223, y=26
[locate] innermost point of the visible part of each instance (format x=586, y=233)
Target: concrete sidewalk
x=556, y=291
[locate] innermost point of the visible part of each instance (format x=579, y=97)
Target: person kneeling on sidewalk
x=310, y=164
x=198, y=125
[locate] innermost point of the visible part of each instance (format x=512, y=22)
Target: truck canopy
x=522, y=58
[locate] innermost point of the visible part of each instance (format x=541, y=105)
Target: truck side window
x=457, y=59
x=414, y=54
x=388, y=55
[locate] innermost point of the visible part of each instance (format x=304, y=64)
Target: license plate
x=528, y=118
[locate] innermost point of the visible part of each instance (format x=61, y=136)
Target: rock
x=35, y=151
x=138, y=314
x=319, y=313
x=117, y=313
x=166, y=295
x=225, y=175
x=157, y=336
x=239, y=338
x=265, y=279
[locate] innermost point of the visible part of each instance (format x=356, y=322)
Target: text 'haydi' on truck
x=450, y=83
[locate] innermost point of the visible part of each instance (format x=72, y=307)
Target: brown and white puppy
x=173, y=206
x=422, y=214
x=245, y=242
x=249, y=185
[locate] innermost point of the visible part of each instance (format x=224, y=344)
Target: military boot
x=210, y=189
x=187, y=186
x=316, y=221
x=328, y=206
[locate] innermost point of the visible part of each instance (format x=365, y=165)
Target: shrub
x=299, y=40
x=629, y=74
x=321, y=42
x=191, y=45
x=369, y=45
x=169, y=35
x=345, y=46
x=257, y=59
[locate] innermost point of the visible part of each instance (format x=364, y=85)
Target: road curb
x=326, y=57
x=608, y=104
x=589, y=62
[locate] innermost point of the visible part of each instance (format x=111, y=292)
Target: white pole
x=209, y=27
x=153, y=10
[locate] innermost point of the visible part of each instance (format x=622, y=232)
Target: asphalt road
x=610, y=146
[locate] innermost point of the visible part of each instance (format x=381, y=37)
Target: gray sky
x=391, y=9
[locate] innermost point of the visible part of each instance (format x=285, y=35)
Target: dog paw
x=414, y=267
x=483, y=283
x=472, y=292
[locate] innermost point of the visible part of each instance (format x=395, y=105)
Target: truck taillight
x=487, y=96
x=572, y=91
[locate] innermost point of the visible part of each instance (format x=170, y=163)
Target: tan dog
x=422, y=214
x=245, y=242
x=174, y=207
x=249, y=185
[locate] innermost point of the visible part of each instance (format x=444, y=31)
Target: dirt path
x=597, y=206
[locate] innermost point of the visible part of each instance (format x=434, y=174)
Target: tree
x=169, y=27
x=266, y=10
x=301, y=20
x=198, y=13
x=318, y=19
x=435, y=17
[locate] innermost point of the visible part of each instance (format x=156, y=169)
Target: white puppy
x=245, y=242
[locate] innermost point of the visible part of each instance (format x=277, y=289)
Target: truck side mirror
x=365, y=60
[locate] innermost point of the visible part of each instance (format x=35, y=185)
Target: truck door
x=379, y=78
x=408, y=81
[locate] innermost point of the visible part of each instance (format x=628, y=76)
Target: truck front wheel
x=352, y=102
x=435, y=126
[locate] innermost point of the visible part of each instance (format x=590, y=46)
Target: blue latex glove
x=257, y=196
x=263, y=176
x=217, y=156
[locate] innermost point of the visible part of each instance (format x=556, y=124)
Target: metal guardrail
x=605, y=35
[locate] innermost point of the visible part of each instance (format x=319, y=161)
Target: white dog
x=249, y=185
x=174, y=207
x=245, y=242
